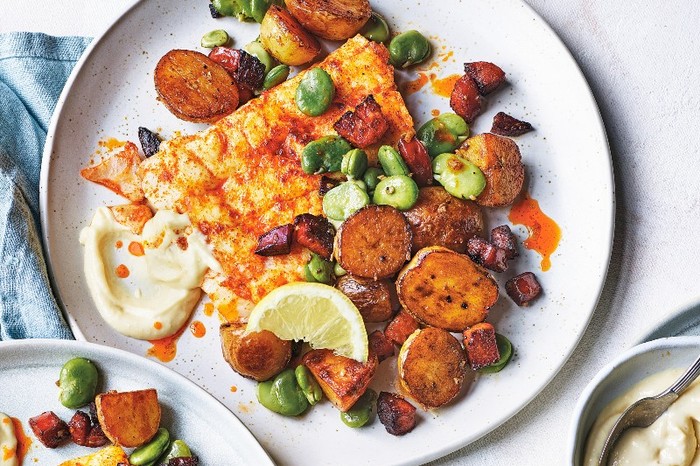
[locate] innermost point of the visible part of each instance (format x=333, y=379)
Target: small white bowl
x=619, y=376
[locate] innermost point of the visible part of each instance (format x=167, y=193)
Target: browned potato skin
x=374, y=242
x=194, y=87
x=331, y=19
x=440, y=219
x=343, y=380
x=432, y=366
x=445, y=289
x=129, y=419
x=499, y=159
x=376, y=300
x=286, y=39
x=258, y=355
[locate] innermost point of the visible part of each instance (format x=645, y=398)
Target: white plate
x=30, y=368
x=569, y=172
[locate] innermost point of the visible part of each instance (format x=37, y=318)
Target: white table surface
x=642, y=61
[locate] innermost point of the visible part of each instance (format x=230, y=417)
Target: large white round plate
x=569, y=173
x=29, y=370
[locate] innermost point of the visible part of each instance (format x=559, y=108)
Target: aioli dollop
x=145, y=286
x=672, y=440
x=8, y=442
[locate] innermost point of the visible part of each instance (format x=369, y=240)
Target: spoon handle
x=686, y=379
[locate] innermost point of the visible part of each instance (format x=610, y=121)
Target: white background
x=642, y=60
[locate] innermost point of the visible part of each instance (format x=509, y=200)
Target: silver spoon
x=644, y=412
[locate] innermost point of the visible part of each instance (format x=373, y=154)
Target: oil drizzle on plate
x=544, y=233
x=23, y=442
x=198, y=329
x=165, y=349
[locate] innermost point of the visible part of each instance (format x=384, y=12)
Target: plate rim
x=236, y=427
x=608, y=195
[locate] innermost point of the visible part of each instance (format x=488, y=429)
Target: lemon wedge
x=316, y=313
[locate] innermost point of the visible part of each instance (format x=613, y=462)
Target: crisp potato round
x=499, y=159
x=444, y=289
x=374, y=242
x=194, y=87
x=432, y=366
x=331, y=19
x=286, y=39
x=258, y=355
x=440, y=219
x=376, y=300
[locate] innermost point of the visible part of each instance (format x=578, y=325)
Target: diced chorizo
x=183, y=461
x=523, y=288
x=97, y=437
x=480, y=345
x=401, y=327
x=327, y=183
x=375, y=299
x=486, y=254
x=380, y=345
x=465, y=99
x=502, y=237
x=250, y=72
x=150, y=141
x=506, y=125
x=365, y=126
x=79, y=428
x=416, y=157
x=49, y=429
x=247, y=71
x=276, y=241
x=487, y=76
x=396, y=414
x=316, y=233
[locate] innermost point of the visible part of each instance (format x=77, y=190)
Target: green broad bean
x=338, y=271
x=307, y=382
x=398, y=191
x=324, y=154
x=315, y=92
x=443, y=134
x=376, y=28
x=408, y=48
x=231, y=8
x=354, y=164
x=458, y=176
x=256, y=49
x=152, y=450
x=320, y=269
x=361, y=412
x=276, y=75
x=177, y=449
x=505, y=349
x=258, y=8
x=372, y=177
x=283, y=394
x=344, y=200
x=391, y=161
x=215, y=38
x=78, y=383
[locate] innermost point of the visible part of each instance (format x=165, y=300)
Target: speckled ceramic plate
x=568, y=171
x=30, y=368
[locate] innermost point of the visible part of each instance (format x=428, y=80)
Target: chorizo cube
x=365, y=126
x=79, y=427
x=396, y=414
x=484, y=253
x=506, y=125
x=401, y=327
x=276, y=241
x=487, y=76
x=51, y=430
x=523, y=288
x=480, y=344
x=380, y=345
x=502, y=237
x=315, y=233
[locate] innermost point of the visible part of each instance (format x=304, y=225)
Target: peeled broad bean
x=361, y=412
x=408, y=48
x=78, y=383
x=344, y=200
x=458, y=176
x=315, y=92
x=150, y=452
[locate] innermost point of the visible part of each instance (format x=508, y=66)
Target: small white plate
x=29, y=370
x=616, y=378
x=569, y=172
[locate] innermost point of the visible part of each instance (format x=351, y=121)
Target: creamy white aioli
x=672, y=440
x=8, y=442
x=162, y=287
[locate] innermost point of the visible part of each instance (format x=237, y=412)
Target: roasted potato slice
x=343, y=380
x=129, y=419
x=108, y=456
x=445, y=289
x=118, y=173
x=432, y=366
x=376, y=300
x=440, y=219
x=257, y=355
x=286, y=39
x=374, y=242
x=331, y=19
x=194, y=87
x=499, y=159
